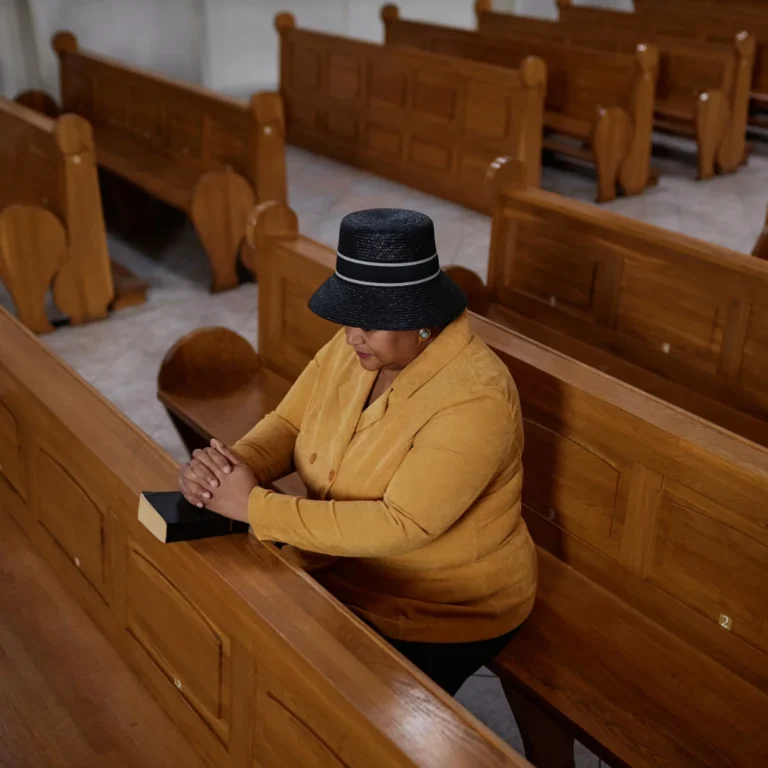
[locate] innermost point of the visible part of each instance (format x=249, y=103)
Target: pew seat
x=621, y=682
x=152, y=170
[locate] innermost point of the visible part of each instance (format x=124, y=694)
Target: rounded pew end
x=284, y=21
x=64, y=42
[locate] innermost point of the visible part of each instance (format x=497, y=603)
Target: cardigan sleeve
x=268, y=448
x=452, y=460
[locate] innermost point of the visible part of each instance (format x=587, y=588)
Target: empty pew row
x=702, y=88
x=646, y=640
x=603, y=99
x=203, y=153
x=51, y=225
x=253, y=661
x=719, y=25
x=677, y=317
x=428, y=121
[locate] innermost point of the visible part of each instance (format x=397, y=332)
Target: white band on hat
x=390, y=285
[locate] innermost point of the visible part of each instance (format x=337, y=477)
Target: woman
x=406, y=431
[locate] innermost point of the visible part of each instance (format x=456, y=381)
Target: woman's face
x=384, y=350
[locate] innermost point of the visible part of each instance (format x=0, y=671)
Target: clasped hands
x=217, y=479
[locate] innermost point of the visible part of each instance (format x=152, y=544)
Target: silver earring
x=425, y=334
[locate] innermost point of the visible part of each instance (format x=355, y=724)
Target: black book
x=170, y=517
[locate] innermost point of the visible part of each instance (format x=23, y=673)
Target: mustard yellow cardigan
x=417, y=496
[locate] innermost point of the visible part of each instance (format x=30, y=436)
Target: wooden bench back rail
x=626, y=497
x=603, y=98
x=51, y=223
x=431, y=122
x=208, y=155
x=702, y=90
x=694, y=312
x=713, y=26
x=256, y=664
x=761, y=246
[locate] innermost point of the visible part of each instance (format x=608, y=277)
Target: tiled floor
x=121, y=356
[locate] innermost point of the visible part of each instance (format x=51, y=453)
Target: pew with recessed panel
x=254, y=662
x=707, y=24
x=603, y=99
x=703, y=88
x=647, y=640
x=680, y=318
x=431, y=122
x=51, y=224
x=203, y=153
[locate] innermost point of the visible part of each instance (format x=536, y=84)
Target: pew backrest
x=579, y=79
x=250, y=657
x=432, y=122
x=710, y=26
x=694, y=312
x=199, y=130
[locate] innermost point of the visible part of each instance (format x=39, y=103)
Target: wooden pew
x=430, y=122
x=677, y=317
x=693, y=23
x=702, y=90
x=253, y=661
x=51, y=224
x=207, y=155
x=761, y=246
x=647, y=638
x=603, y=99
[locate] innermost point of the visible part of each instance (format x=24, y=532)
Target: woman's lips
x=362, y=355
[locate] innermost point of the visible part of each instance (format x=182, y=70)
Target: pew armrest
x=478, y=298
x=40, y=101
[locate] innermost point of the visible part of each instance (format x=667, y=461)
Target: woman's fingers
x=193, y=492
x=219, y=458
x=205, y=468
x=227, y=453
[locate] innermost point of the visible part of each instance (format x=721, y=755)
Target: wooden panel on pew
x=703, y=87
x=431, y=122
x=255, y=662
x=634, y=299
x=605, y=99
x=761, y=246
x=206, y=154
x=643, y=515
x=697, y=23
x=51, y=223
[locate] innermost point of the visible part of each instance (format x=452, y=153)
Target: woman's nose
x=353, y=335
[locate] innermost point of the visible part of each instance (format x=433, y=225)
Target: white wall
x=241, y=43
x=162, y=35
x=228, y=45
x=18, y=57
x=547, y=9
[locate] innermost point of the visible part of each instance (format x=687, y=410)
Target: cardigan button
x=331, y=476
x=313, y=458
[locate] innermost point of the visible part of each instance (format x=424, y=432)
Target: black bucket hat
x=388, y=275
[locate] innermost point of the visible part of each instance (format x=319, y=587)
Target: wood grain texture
x=232, y=640
x=171, y=139
x=430, y=121
x=705, y=23
x=651, y=524
x=604, y=98
x=33, y=249
x=691, y=314
x=67, y=697
x=48, y=165
x=689, y=68
x=761, y=246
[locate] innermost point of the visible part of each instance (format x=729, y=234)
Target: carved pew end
x=390, y=12
x=505, y=174
x=39, y=101
x=64, y=42
x=478, y=298
x=208, y=364
x=284, y=20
